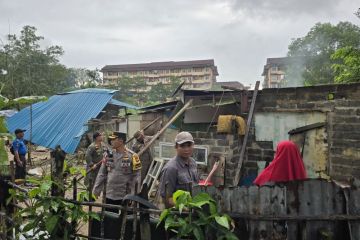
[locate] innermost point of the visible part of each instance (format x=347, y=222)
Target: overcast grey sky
x=238, y=34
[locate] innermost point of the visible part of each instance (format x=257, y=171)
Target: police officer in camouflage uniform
x=122, y=172
x=94, y=154
x=146, y=157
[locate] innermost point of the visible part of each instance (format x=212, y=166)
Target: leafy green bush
x=201, y=218
x=4, y=168
x=46, y=216
x=3, y=128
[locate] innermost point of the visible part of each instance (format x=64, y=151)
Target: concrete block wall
x=344, y=139
x=228, y=145
x=340, y=103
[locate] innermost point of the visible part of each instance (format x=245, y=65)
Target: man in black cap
x=122, y=171
x=94, y=154
x=20, y=150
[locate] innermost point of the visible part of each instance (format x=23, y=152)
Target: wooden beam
x=146, y=127
x=176, y=116
x=243, y=147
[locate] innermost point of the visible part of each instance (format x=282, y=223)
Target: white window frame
x=161, y=144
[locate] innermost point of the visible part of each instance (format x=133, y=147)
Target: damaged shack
x=322, y=120
x=324, y=123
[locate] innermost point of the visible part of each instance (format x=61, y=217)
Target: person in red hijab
x=286, y=166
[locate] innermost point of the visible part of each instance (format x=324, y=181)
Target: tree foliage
x=317, y=47
x=202, y=221
x=160, y=92
x=29, y=69
x=348, y=67
x=84, y=78
x=137, y=91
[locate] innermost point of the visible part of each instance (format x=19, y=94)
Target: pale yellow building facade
x=198, y=74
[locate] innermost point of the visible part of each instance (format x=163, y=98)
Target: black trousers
x=113, y=202
x=20, y=171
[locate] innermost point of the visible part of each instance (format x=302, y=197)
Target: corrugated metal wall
x=312, y=198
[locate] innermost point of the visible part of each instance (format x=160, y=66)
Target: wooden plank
x=250, y=116
x=176, y=116
x=146, y=127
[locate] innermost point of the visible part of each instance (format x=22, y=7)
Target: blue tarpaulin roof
x=62, y=119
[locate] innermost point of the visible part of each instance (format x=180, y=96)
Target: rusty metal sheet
x=354, y=208
x=315, y=197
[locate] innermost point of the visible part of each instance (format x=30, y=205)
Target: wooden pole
x=124, y=216
x=102, y=223
x=57, y=167
x=145, y=229
x=135, y=215
x=12, y=171
x=30, y=138
x=146, y=127
x=243, y=147
x=176, y=116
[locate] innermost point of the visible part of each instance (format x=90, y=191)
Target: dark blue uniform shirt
x=19, y=146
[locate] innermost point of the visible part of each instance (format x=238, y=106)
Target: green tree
x=137, y=91
x=348, y=67
x=131, y=90
x=31, y=69
x=83, y=78
x=160, y=92
x=317, y=47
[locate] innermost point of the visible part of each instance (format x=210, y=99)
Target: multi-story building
x=284, y=72
x=274, y=72
x=199, y=74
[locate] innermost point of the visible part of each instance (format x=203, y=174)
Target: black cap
x=96, y=134
x=118, y=135
x=19, y=130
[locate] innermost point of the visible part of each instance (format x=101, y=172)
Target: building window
x=198, y=69
x=274, y=68
x=274, y=77
x=112, y=73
